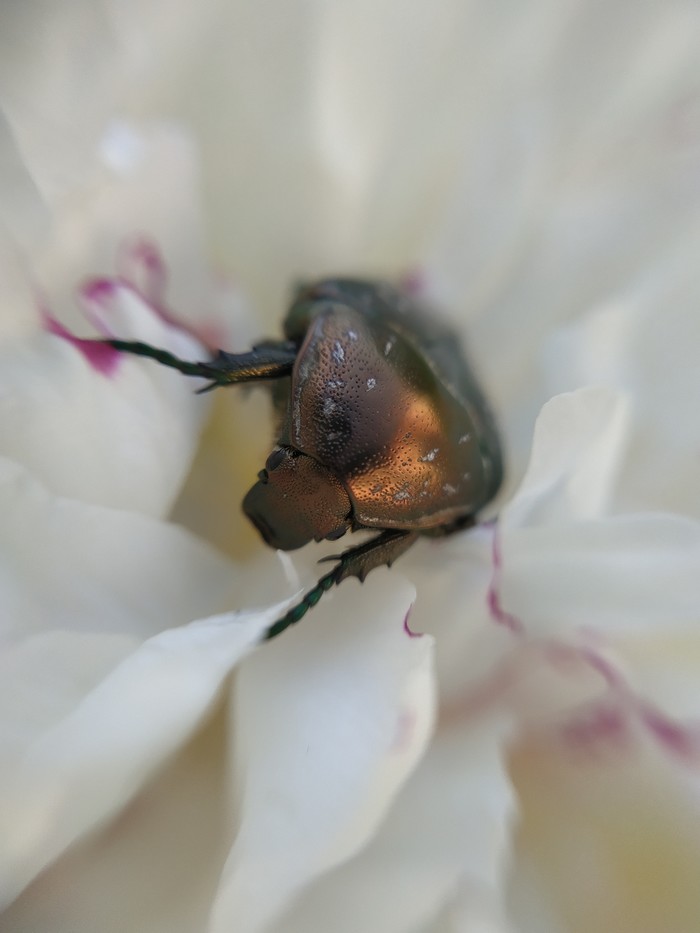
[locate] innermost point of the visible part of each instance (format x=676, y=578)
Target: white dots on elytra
x=464, y=438
x=338, y=352
x=371, y=383
x=449, y=489
x=430, y=456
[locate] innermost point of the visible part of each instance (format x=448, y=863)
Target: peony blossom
x=502, y=732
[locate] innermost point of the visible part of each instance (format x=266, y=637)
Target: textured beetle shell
x=375, y=406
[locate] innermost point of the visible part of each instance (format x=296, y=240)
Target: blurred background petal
x=533, y=168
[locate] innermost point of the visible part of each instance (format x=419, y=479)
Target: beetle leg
x=268, y=360
x=355, y=562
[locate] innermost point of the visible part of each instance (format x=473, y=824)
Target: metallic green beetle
x=381, y=425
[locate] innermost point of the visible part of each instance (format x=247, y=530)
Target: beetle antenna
x=161, y=356
x=267, y=361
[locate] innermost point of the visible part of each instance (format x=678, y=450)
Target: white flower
x=531, y=764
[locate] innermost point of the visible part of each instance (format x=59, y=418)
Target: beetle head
x=296, y=500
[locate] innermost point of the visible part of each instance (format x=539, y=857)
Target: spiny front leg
x=267, y=360
x=355, y=562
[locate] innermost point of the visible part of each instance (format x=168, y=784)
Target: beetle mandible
x=381, y=426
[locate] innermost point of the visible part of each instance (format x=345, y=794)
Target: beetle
x=381, y=426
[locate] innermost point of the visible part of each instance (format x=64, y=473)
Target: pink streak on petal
x=603, y=667
x=414, y=282
x=563, y=657
x=143, y=268
x=493, y=599
x=605, y=725
x=612, y=727
x=406, y=627
x=490, y=693
x=602, y=728
x=210, y=334
x=99, y=295
x=142, y=265
x=503, y=683
x=104, y=359
x=405, y=727
x=682, y=741
x=96, y=297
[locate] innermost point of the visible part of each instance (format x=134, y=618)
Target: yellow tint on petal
x=665, y=666
x=608, y=837
x=232, y=450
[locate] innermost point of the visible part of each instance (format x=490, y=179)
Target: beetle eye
x=278, y=456
x=338, y=533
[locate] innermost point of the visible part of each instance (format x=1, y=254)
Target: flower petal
x=53, y=117
x=153, y=866
x=118, y=432
x=663, y=666
x=330, y=721
x=576, y=450
x=448, y=826
x=620, y=575
x=75, y=567
x=89, y=762
x=643, y=340
x=145, y=186
x=473, y=910
x=616, y=574
x=452, y=578
x=606, y=841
